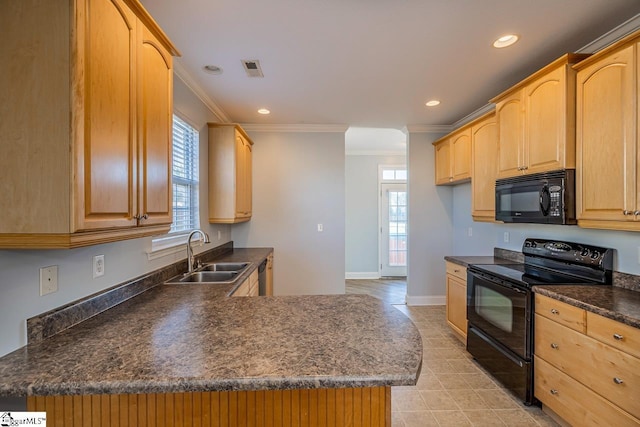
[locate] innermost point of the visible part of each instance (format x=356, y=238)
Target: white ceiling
x=373, y=63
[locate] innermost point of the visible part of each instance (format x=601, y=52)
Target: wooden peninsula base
x=369, y=406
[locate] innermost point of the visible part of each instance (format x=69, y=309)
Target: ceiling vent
x=252, y=67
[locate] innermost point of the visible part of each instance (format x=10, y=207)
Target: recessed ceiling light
x=432, y=103
x=506, y=40
x=264, y=111
x=212, y=69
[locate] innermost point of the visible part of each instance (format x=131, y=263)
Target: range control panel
x=574, y=253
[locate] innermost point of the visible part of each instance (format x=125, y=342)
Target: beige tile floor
x=452, y=389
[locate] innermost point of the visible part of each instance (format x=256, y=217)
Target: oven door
x=501, y=310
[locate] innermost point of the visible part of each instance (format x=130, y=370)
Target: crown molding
x=427, y=129
x=471, y=117
x=612, y=36
x=186, y=78
x=306, y=128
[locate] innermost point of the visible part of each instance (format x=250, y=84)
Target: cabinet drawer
x=573, y=401
x=605, y=370
x=457, y=270
x=565, y=314
x=557, y=344
x=616, y=334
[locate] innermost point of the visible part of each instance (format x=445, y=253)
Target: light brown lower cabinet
x=269, y=285
x=579, y=375
x=248, y=288
x=358, y=407
x=457, y=299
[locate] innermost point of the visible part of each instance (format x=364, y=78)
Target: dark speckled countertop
x=613, y=302
x=176, y=338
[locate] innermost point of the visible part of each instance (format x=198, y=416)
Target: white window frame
x=174, y=242
x=381, y=169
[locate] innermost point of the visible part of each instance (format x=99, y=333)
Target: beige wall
x=298, y=183
x=430, y=223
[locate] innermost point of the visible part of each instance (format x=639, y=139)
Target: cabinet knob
x=635, y=215
x=617, y=380
x=554, y=311
x=554, y=391
x=618, y=337
x=554, y=346
x=626, y=212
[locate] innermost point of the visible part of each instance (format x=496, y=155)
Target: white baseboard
x=426, y=300
x=362, y=275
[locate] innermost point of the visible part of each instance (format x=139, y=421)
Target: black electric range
x=500, y=304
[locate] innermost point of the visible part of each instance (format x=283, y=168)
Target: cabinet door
x=545, y=122
x=485, y=168
x=104, y=126
x=154, y=131
x=457, y=304
x=269, y=284
x=461, y=155
x=243, y=177
x=443, y=162
x=509, y=114
x=606, y=141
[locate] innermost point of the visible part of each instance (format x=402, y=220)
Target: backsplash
x=508, y=254
x=626, y=281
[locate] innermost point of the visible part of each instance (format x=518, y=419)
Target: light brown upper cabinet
x=536, y=121
x=230, y=153
x=484, y=166
x=86, y=124
x=607, y=139
x=453, y=157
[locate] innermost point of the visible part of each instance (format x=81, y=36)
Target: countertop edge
x=190, y=386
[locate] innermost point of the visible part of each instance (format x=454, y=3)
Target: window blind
x=185, y=177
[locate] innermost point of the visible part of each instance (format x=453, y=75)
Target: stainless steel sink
x=206, y=277
x=224, y=266
x=217, y=272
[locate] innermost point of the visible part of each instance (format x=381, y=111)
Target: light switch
x=320, y=228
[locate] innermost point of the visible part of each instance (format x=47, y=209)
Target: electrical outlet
x=320, y=228
x=98, y=266
x=506, y=237
x=48, y=280
x=469, y=231
x=638, y=254
x=219, y=234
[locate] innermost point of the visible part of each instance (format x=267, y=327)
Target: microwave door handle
x=545, y=200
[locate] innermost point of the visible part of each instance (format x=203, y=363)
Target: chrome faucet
x=190, y=257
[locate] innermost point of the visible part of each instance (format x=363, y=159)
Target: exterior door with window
x=393, y=215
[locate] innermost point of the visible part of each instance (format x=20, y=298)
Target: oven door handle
x=502, y=283
x=505, y=353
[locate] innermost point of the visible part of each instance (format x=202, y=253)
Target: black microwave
x=540, y=198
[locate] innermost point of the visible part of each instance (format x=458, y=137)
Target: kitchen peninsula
x=182, y=353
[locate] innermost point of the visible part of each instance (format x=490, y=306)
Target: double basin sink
x=218, y=272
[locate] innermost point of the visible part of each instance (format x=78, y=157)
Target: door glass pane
x=397, y=228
